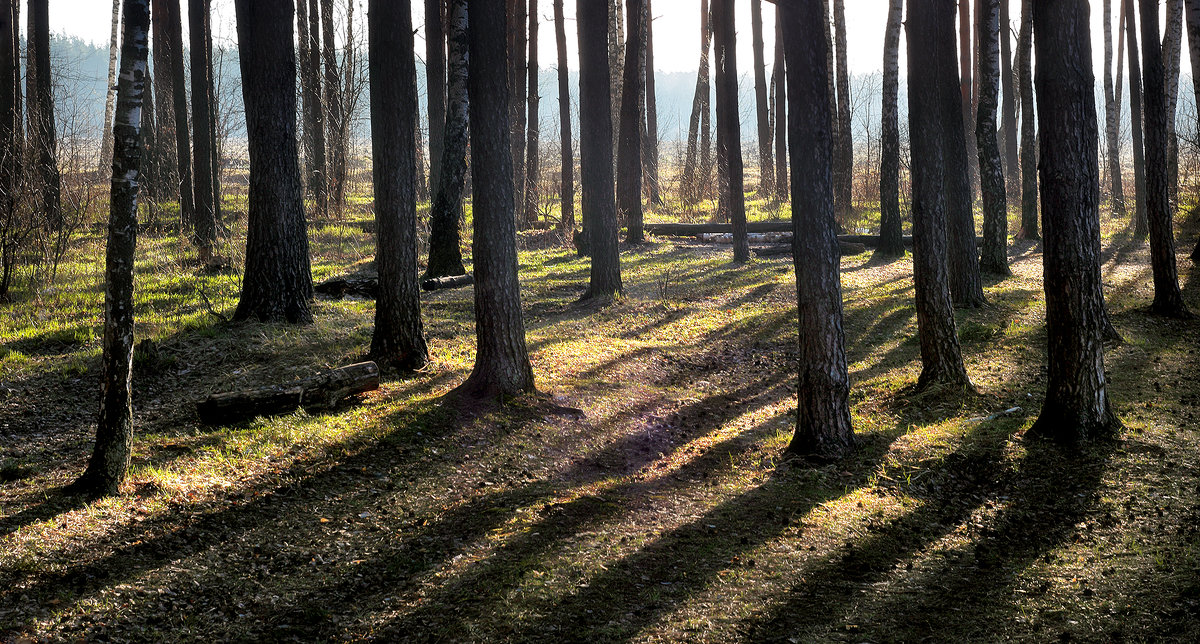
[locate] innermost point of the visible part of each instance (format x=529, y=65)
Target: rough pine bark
x=315, y=181
x=650, y=144
x=616, y=58
x=206, y=188
x=779, y=84
x=891, y=241
x=502, y=366
x=1077, y=406
x=729, y=128
x=843, y=175
x=41, y=112
x=629, y=141
x=823, y=428
x=1193, y=29
x=1008, y=108
x=530, y=207
x=966, y=88
x=567, y=165
x=1112, y=118
x=766, y=163
x=1140, y=222
x=165, y=153
x=110, y=98
x=183, y=148
x=690, y=183
x=445, y=254
x=335, y=118
x=10, y=139
x=398, y=340
x=435, y=83
x=1029, y=196
x=517, y=44
x=598, y=206
x=109, y=463
x=1168, y=300
x=966, y=284
x=928, y=22
x=277, y=281
x=994, y=254
x=1171, y=51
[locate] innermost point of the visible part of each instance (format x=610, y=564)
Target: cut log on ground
x=847, y=248
x=362, y=285
x=454, y=281
x=323, y=391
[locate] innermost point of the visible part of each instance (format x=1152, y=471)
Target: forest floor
x=665, y=513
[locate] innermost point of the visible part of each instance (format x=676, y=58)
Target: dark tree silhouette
x=10, y=140
x=1193, y=28
x=335, y=117
x=966, y=284
x=599, y=207
x=501, y=359
x=435, y=83
x=114, y=431
x=994, y=255
x=41, y=111
x=567, y=169
x=530, y=207
x=891, y=240
x=517, y=44
x=166, y=150
x=779, y=100
x=696, y=162
x=1076, y=406
x=277, y=281
x=930, y=29
x=445, y=255
x=629, y=147
x=766, y=163
x=1172, y=52
x=823, y=428
x=729, y=128
x=1112, y=117
x=207, y=189
x=1029, y=196
x=1140, y=214
x=650, y=134
x=316, y=180
x=1008, y=109
x=843, y=175
x=178, y=98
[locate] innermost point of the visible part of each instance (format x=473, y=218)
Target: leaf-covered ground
x=665, y=513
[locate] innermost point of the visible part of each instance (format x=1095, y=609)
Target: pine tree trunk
x=1076, y=406
x=1140, y=225
x=650, y=144
x=206, y=190
x=629, y=150
x=766, y=164
x=690, y=182
x=966, y=88
x=435, y=84
x=534, y=126
x=517, y=44
x=41, y=112
x=891, y=242
x=598, y=206
x=1029, y=190
x=502, y=366
x=1193, y=29
x=966, y=284
x=1008, y=109
x=729, y=128
x=1168, y=300
x=1171, y=51
x=445, y=254
x=707, y=152
x=616, y=58
x=398, y=340
x=314, y=112
x=166, y=151
x=930, y=30
x=10, y=139
x=1112, y=118
x=110, y=98
x=110, y=459
x=994, y=255
x=567, y=165
x=779, y=84
x=843, y=175
x=151, y=178
x=335, y=119
x=277, y=281
x=823, y=428
x=183, y=148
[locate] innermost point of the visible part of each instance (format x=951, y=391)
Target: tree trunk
x=314, y=111
x=1112, y=118
x=1008, y=108
x=335, y=119
x=707, y=152
x=422, y=185
x=277, y=281
x=779, y=84
x=598, y=206
x=1029, y=204
x=517, y=44
x=843, y=175
x=41, y=112
x=151, y=178
x=206, y=189
x=10, y=139
x=567, y=165
x=650, y=144
x=890, y=231
x=616, y=58
x=399, y=338
x=166, y=151
x=966, y=88
x=1171, y=51
x=183, y=148
x=690, y=183
x=1167, y=298
x=435, y=83
x=766, y=164
x=1140, y=224
x=729, y=128
x=445, y=254
x=823, y=428
x=930, y=30
x=531, y=145
x=1076, y=406
x=110, y=98
x=629, y=150
x=114, y=432
x=966, y=284
x=994, y=255
x=502, y=366
x=1193, y=29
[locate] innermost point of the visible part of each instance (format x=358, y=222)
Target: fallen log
x=323, y=391
x=692, y=230
x=453, y=281
x=847, y=248
x=362, y=285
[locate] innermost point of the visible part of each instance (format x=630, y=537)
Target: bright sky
x=676, y=29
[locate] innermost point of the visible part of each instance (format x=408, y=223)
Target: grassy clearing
x=664, y=514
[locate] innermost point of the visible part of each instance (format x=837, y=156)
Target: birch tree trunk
x=445, y=254
x=106, y=140
x=891, y=242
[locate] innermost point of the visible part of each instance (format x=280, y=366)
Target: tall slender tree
x=277, y=281
x=823, y=428
x=994, y=255
x=207, y=189
x=891, y=240
x=10, y=138
x=502, y=365
x=729, y=129
x=1029, y=202
x=1008, y=108
x=1172, y=53
x=966, y=284
x=435, y=83
x=166, y=151
x=966, y=89
x=843, y=175
x=178, y=98
x=1076, y=407
x=517, y=44
x=616, y=58
x=567, y=165
x=398, y=340
x=445, y=256
x=1112, y=117
x=336, y=131
x=41, y=111
x=1140, y=225
x=779, y=100
x=629, y=148
x=110, y=98
x=698, y=143
x=766, y=163
x=1193, y=28
x=1168, y=300
x=650, y=138
x=930, y=28
x=599, y=208
x=110, y=458
x=530, y=207
x=316, y=183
